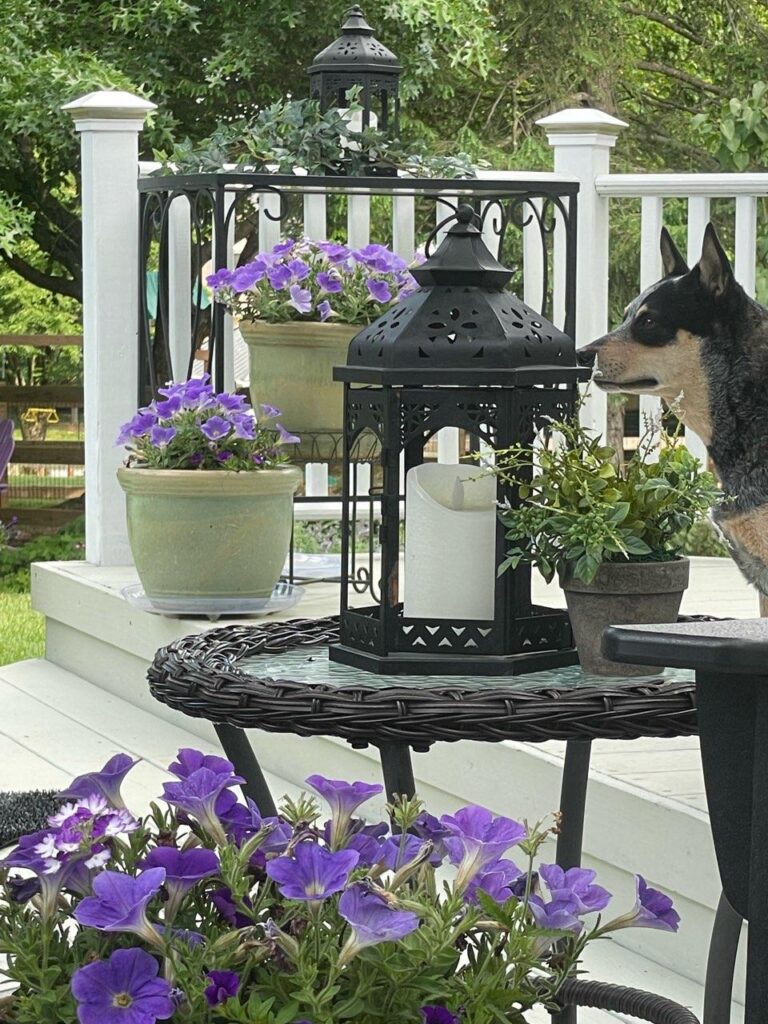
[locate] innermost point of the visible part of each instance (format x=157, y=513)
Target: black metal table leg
x=721, y=963
x=573, y=800
x=397, y=770
x=238, y=749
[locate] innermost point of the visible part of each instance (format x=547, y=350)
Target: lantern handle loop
x=462, y=214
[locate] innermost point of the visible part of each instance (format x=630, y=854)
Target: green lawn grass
x=21, y=629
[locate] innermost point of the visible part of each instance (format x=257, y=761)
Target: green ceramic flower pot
x=210, y=533
x=292, y=368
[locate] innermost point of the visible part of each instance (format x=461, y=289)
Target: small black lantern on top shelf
x=462, y=352
x=358, y=59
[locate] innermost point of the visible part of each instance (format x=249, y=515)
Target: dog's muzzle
x=586, y=356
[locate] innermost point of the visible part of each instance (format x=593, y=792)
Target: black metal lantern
x=460, y=352
x=357, y=58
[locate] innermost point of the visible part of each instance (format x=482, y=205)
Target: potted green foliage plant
x=205, y=911
x=299, y=306
x=209, y=496
x=612, y=533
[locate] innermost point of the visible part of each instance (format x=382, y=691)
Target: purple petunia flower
x=54, y=874
x=270, y=411
x=298, y=268
x=226, y=906
x=334, y=252
x=313, y=873
x=161, y=437
x=172, y=405
x=561, y=915
x=107, y=781
x=188, y=760
x=245, y=426
x=379, y=290
x=379, y=257
x=216, y=427
x=428, y=827
x=195, y=459
x=120, y=903
x=343, y=798
x=329, y=282
x=285, y=437
x=122, y=990
x=399, y=850
x=438, y=1015
x=325, y=311
x=247, y=276
x=653, y=909
x=231, y=403
x=197, y=795
x=575, y=883
x=139, y=426
x=223, y=986
x=221, y=279
x=258, y=459
x=301, y=298
x=223, y=456
x=279, y=276
x=496, y=880
x=371, y=920
x=282, y=248
x=183, y=870
x=244, y=821
x=476, y=839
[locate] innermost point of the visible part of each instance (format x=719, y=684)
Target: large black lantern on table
x=358, y=59
x=464, y=352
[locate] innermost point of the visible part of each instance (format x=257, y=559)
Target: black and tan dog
x=697, y=340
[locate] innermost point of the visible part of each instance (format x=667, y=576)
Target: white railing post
x=582, y=140
x=109, y=124
x=651, y=221
x=698, y=218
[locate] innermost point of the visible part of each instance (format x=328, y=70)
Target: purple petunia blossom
x=496, y=880
x=244, y=821
x=231, y=403
x=371, y=920
x=172, y=405
x=561, y=915
x=428, y=827
x=120, y=903
x=54, y=874
x=399, y=850
x=576, y=883
x=197, y=794
x=247, y=276
x=270, y=411
x=122, y=990
x=221, y=279
x=188, y=760
x=282, y=248
x=258, y=459
x=245, y=427
x=298, y=268
x=438, y=1015
x=476, y=839
x=107, y=781
x=334, y=252
x=325, y=311
x=301, y=298
x=279, y=277
x=343, y=798
x=226, y=906
x=223, y=986
x=379, y=257
x=329, y=282
x=161, y=437
x=223, y=456
x=285, y=437
x=379, y=290
x=183, y=870
x=313, y=873
x=216, y=427
x=195, y=459
x=139, y=426
x=653, y=909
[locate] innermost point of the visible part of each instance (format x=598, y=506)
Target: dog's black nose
x=586, y=356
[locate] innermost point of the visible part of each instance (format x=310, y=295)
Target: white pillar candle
x=316, y=479
x=450, y=543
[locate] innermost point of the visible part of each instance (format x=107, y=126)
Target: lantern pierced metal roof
x=462, y=326
x=356, y=49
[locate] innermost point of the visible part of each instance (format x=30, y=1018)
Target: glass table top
x=314, y=667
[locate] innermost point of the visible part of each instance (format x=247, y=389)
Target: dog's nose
x=586, y=356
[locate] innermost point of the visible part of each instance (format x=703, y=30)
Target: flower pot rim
x=227, y=482
x=666, y=576
x=299, y=332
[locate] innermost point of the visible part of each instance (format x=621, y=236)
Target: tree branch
x=58, y=285
x=661, y=19
x=680, y=76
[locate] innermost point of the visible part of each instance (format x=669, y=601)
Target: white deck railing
x=110, y=124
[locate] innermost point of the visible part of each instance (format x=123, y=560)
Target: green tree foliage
x=477, y=75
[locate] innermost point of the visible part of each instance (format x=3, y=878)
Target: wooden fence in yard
x=46, y=484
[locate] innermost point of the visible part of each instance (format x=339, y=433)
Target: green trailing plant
x=578, y=508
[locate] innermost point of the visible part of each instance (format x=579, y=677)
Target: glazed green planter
x=209, y=533
x=291, y=367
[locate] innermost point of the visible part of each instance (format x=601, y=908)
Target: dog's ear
x=714, y=268
x=671, y=259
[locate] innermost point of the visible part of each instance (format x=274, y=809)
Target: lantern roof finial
x=356, y=49
x=462, y=257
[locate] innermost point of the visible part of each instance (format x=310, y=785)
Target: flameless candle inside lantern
x=362, y=478
x=316, y=479
x=450, y=543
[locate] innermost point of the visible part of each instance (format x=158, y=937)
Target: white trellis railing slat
x=651, y=221
x=315, y=217
x=180, y=285
x=533, y=259
x=746, y=242
x=404, y=226
x=359, y=220
x=269, y=222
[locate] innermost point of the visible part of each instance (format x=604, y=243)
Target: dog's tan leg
x=764, y=606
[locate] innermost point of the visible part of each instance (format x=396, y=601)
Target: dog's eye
x=648, y=321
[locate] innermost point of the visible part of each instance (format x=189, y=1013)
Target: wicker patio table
x=277, y=677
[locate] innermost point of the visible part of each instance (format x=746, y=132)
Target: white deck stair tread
x=55, y=725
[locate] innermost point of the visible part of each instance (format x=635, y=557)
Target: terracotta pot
x=209, y=533
x=622, y=593
x=292, y=368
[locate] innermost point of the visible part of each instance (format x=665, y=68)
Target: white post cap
x=109, y=105
x=581, y=126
